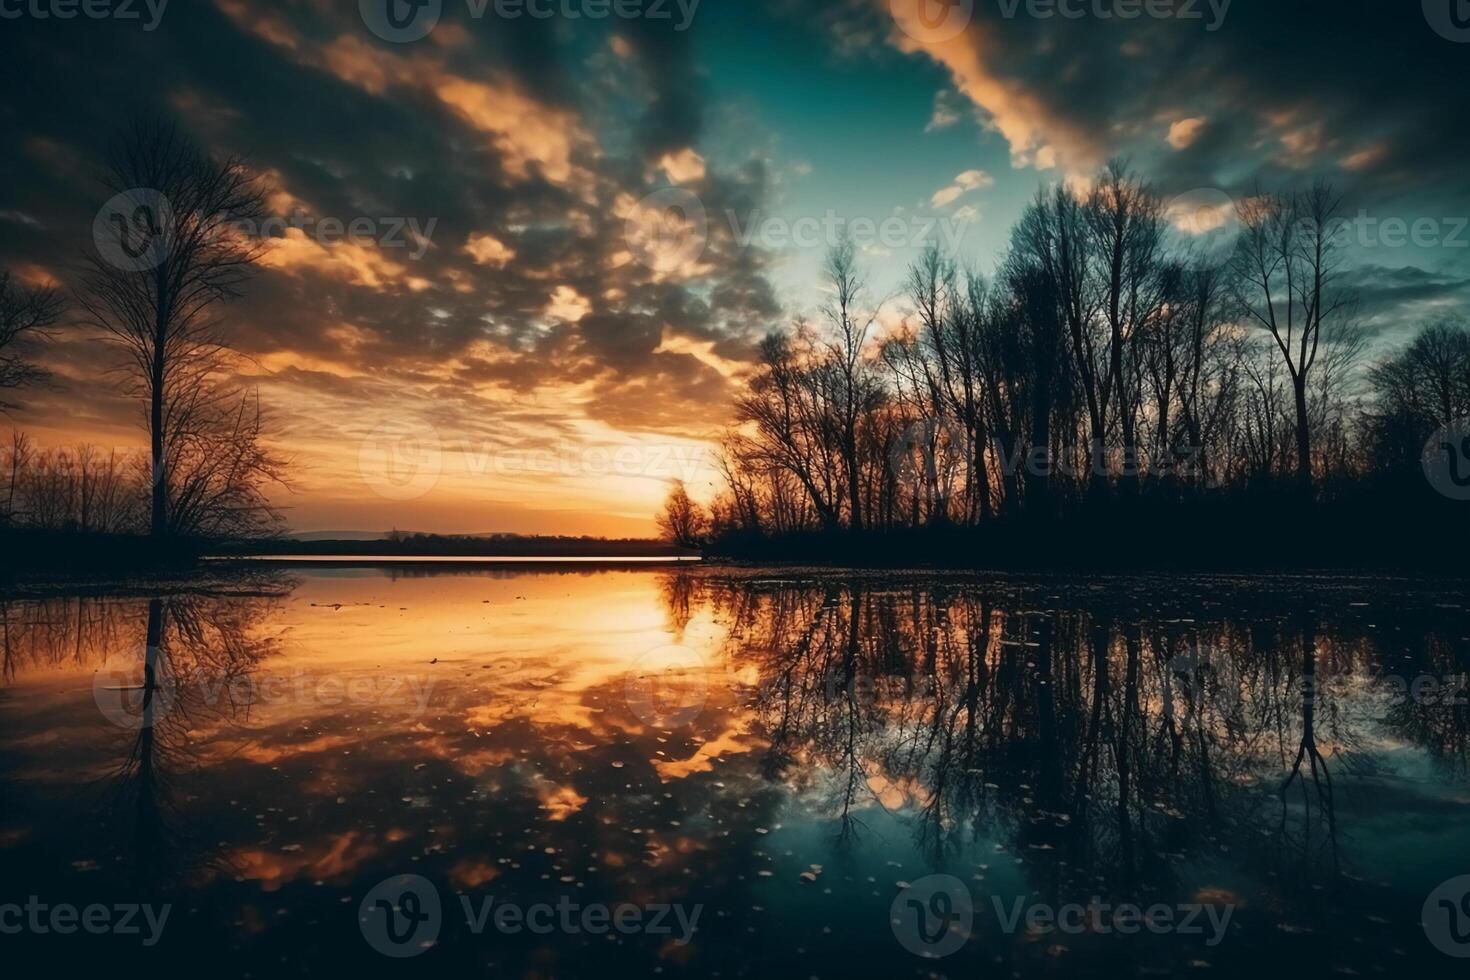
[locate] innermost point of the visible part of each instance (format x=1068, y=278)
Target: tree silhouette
x=170, y=248
x=26, y=312
x=682, y=522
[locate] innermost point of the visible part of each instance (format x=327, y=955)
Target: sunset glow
x=464, y=264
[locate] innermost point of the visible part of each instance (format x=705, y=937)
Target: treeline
x=1108, y=370
x=499, y=545
x=82, y=489
x=90, y=490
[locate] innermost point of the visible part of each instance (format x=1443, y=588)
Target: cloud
x=525, y=314
x=946, y=195
x=296, y=254
x=683, y=167
x=486, y=249
x=524, y=131
x=963, y=183
x=946, y=111
x=1071, y=92
x=1368, y=157
x=1033, y=129
x=1183, y=132
x=972, y=179
x=567, y=305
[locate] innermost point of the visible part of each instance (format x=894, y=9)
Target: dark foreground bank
x=1144, y=535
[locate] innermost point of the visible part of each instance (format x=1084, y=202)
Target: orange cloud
x=486, y=249
x=568, y=305
x=346, y=260
x=524, y=131
x=1183, y=132
x=1037, y=136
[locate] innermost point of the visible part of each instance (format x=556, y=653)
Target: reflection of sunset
x=626, y=489
x=484, y=728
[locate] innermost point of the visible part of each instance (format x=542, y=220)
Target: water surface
x=796, y=762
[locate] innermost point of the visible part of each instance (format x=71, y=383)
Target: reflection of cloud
x=559, y=802
x=472, y=873
x=956, y=676
x=730, y=741
x=339, y=856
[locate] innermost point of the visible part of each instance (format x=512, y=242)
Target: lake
x=705, y=772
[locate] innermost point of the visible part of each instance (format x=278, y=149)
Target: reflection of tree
x=189, y=655
x=56, y=631
x=1308, y=751
x=197, y=651
x=678, y=592
x=1439, y=719
x=1101, y=738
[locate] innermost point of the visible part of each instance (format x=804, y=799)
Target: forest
x=1110, y=382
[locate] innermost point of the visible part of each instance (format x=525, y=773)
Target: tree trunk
x=158, y=525
x=1038, y=470
x=1303, y=437
x=854, y=484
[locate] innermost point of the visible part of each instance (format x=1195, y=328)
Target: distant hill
x=338, y=536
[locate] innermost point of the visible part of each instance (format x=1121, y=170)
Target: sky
x=531, y=329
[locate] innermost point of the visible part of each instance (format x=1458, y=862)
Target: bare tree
x=26, y=312
x=785, y=408
x=1287, y=267
x=169, y=251
x=1428, y=381
x=854, y=391
x=1208, y=374
x=1124, y=221
x=998, y=399
x=1418, y=389
x=682, y=522
x=1052, y=236
x=82, y=488
x=17, y=461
